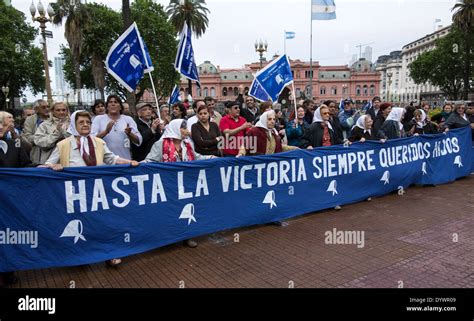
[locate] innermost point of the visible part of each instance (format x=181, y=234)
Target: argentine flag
x=289, y=34
x=323, y=10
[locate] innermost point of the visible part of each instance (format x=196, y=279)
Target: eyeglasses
x=325, y=113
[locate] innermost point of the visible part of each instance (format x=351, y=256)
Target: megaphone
x=270, y=199
x=385, y=177
x=332, y=187
x=188, y=213
x=74, y=229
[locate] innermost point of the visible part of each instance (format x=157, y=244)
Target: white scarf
x=263, y=122
x=361, y=124
x=84, y=142
x=421, y=123
x=318, y=119
x=396, y=115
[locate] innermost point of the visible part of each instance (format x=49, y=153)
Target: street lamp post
x=261, y=47
x=6, y=90
x=389, y=75
x=43, y=19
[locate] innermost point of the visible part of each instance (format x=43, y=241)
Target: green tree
x=21, y=63
x=158, y=34
x=106, y=27
x=194, y=13
x=463, y=19
x=77, y=18
x=442, y=66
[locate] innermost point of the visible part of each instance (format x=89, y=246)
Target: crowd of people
x=109, y=134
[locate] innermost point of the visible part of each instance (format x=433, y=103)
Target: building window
x=235, y=76
x=322, y=91
x=224, y=92
x=372, y=90
x=213, y=92
x=334, y=90
x=366, y=90
x=236, y=91
x=308, y=73
x=198, y=92
x=344, y=90
x=206, y=92
x=298, y=92
x=357, y=90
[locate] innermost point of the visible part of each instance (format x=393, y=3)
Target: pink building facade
x=360, y=81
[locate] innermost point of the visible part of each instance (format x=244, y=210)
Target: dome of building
x=207, y=68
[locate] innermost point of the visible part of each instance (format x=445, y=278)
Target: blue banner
x=256, y=91
x=275, y=77
x=174, y=97
x=184, y=62
x=149, y=64
x=323, y=10
x=91, y=214
x=126, y=60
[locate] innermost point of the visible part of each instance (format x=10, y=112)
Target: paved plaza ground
x=422, y=239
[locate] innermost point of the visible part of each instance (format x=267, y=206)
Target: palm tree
x=77, y=18
x=463, y=19
x=194, y=13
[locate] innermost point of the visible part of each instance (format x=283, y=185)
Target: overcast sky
x=234, y=25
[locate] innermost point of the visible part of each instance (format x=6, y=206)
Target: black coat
x=139, y=152
x=314, y=136
x=357, y=133
x=16, y=156
x=390, y=130
x=249, y=116
x=336, y=126
x=428, y=128
x=371, y=112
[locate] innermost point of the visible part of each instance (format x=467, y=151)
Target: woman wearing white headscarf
x=392, y=127
x=174, y=145
x=419, y=124
x=362, y=130
x=83, y=149
x=320, y=133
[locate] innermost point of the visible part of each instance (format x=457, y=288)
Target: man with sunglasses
x=234, y=127
x=251, y=112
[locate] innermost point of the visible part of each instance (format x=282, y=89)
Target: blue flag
x=184, y=63
x=86, y=214
x=367, y=106
x=174, y=97
x=149, y=64
x=126, y=60
x=323, y=10
x=275, y=77
x=256, y=91
x=289, y=34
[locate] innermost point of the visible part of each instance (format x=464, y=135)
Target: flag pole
x=156, y=99
x=294, y=99
x=284, y=39
x=311, y=56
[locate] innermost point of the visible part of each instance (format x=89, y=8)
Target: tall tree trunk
x=190, y=88
x=77, y=76
x=126, y=14
x=467, y=67
x=98, y=72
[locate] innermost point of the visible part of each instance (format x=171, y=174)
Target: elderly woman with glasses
x=321, y=132
x=458, y=118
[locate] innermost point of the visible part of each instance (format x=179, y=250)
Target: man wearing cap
x=348, y=118
x=234, y=127
x=150, y=129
